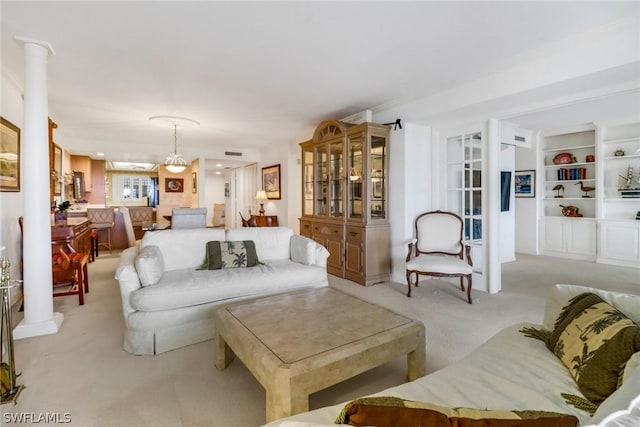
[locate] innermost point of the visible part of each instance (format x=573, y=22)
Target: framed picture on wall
x=525, y=183
x=271, y=181
x=174, y=185
x=9, y=156
x=194, y=180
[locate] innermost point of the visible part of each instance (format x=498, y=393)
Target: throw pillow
x=395, y=412
x=303, y=250
x=594, y=341
x=149, y=265
x=237, y=254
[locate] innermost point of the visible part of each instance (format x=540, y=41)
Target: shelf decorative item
x=570, y=211
x=630, y=187
x=585, y=188
x=558, y=188
x=590, y=158
x=563, y=159
x=618, y=153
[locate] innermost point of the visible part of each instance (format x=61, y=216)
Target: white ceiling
x=255, y=74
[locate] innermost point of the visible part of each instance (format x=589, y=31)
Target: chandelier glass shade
x=175, y=163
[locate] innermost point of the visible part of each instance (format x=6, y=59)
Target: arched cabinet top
x=329, y=129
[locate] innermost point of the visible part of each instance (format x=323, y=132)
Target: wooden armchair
x=70, y=268
x=438, y=250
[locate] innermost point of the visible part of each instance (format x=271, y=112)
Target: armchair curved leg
x=462, y=283
x=468, y=288
x=409, y=283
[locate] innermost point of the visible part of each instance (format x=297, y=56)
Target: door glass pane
x=378, y=177
x=321, y=181
x=336, y=178
x=355, y=182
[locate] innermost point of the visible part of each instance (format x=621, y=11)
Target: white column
x=39, y=318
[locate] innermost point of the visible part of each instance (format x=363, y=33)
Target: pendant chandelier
x=175, y=163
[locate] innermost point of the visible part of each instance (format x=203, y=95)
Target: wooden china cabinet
x=345, y=198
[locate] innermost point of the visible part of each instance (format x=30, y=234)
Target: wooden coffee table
x=304, y=341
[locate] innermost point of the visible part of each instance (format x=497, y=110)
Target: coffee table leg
x=285, y=402
x=416, y=360
x=224, y=354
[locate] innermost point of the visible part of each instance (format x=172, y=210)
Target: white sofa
x=177, y=309
x=514, y=372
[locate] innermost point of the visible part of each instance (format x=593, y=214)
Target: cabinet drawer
x=354, y=235
x=328, y=230
x=306, y=228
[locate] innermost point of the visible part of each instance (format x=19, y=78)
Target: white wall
x=409, y=188
x=213, y=192
x=11, y=204
x=286, y=156
x=508, y=218
x=526, y=212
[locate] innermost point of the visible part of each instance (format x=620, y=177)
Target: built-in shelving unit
x=619, y=230
x=570, y=170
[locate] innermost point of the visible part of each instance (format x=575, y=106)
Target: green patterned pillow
x=230, y=255
x=595, y=341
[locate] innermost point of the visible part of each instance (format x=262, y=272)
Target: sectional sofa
x=511, y=372
x=168, y=298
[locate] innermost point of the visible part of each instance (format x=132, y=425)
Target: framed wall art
x=194, y=180
x=9, y=156
x=57, y=168
x=525, y=183
x=174, y=185
x=271, y=181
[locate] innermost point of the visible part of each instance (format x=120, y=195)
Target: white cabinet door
x=552, y=235
x=581, y=238
x=568, y=237
x=620, y=243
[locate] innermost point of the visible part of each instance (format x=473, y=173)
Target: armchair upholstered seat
x=188, y=218
x=438, y=250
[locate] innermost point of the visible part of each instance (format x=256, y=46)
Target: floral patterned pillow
x=230, y=255
x=594, y=341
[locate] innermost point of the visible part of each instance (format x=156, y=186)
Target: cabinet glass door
x=321, y=181
x=336, y=159
x=378, y=166
x=307, y=181
x=354, y=177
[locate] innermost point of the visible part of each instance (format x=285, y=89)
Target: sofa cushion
x=230, y=255
x=303, y=250
x=386, y=411
x=595, y=341
x=183, y=248
x=184, y=288
x=149, y=265
x=272, y=243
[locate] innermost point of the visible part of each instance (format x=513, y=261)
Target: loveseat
x=511, y=372
x=169, y=298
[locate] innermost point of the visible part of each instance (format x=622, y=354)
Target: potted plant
x=61, y=211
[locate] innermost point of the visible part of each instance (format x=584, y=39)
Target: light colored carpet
x=83, y=371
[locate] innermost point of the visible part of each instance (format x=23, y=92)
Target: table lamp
x=261, y=196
